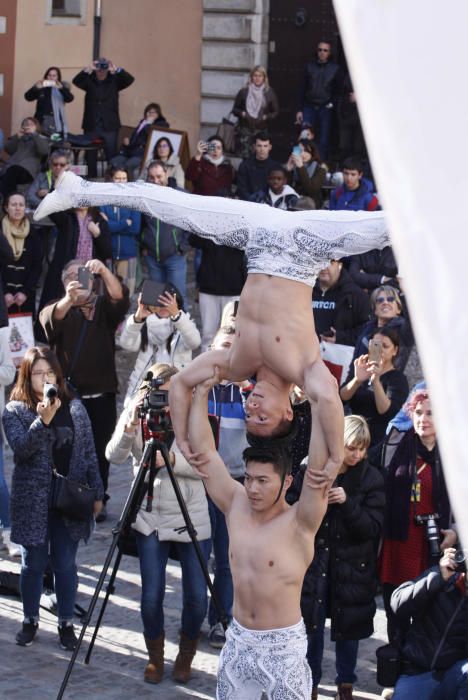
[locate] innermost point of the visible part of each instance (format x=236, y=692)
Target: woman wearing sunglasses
x=387, y=312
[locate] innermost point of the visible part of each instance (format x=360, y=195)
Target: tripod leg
x=109, y=590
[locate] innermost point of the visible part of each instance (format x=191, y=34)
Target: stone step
x=223, y=83
x=213, y=109
x=223, y=27
x=254, y=6
x=239, y=56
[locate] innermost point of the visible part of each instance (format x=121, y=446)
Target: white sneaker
x=61, y=198
x=387, y=693
x=14, y=550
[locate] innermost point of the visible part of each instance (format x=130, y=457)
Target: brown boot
x=183, y=662
x=155, y=667
x=314, y=695
x=344, y=691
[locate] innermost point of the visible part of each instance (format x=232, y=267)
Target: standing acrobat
x=275, y=335
x=271, y=544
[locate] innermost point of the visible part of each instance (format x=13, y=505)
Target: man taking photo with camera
x=434, y=663
x=80, y=328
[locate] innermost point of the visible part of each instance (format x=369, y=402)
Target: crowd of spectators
x=357, y=302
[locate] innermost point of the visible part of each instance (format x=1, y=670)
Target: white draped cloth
x=407, y=62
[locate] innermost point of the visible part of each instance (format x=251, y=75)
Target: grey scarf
x=58, y=106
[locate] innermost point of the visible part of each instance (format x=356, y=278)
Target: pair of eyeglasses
x=60, y=165
x=324, y=50
x=381, y=300
x=49, y=373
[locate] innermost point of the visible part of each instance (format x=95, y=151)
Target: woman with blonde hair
x=255, y=106
x=341, y=582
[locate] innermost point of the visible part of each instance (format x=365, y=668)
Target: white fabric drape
x=407, y=62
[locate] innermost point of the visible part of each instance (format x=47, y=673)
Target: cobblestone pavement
x=116, y=667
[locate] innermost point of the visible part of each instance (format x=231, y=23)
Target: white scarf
x=255, y=100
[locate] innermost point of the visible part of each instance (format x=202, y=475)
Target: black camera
x=102, y=65
x=432, y=532
x=154, y=412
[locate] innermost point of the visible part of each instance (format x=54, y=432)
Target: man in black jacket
x=319, y=94
x=102, y=82
x=253, y=172
x=435, y=650
x=340, y=307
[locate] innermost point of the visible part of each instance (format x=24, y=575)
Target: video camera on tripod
x=154, y=412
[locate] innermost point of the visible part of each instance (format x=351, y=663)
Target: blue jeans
x=173, y=269
x=222, y=583
x=346, y=651
x=4, y=495
x=451, y=685
x=319, y=117
x=61, y=550
x=153, y=556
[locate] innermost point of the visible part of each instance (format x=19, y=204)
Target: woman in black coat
x=341, y=582
x=51, y=95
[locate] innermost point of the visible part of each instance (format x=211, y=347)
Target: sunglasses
x=324, y=50
x=59, y=165
x=381, y=300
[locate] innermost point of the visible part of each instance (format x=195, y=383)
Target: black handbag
x=71, y=499
x=388, y=665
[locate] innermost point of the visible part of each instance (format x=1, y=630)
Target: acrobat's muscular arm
x=182, y=384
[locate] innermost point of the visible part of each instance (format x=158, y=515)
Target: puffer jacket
x=166, y=518
x=344, y=568
x=27, y=151
x=431, y=603
x=31, y=442
x=185, y=339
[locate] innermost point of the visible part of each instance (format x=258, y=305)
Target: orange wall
x=158, y=41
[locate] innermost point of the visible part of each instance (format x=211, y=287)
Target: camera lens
x=460, y=556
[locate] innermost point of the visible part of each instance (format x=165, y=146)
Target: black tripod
x=128, y=515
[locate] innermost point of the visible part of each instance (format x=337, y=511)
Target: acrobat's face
x=262, y=484
x=266, y=409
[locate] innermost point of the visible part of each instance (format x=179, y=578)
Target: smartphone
x=297, y=151
x=48, y=83
x=151, y=291
x=375, y=350
x=84, y=277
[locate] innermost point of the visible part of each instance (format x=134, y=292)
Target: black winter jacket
x=368, y=268
x=222, y=269
x=431, y=602
x=321, y=84
x=43, y=95
x=252, y=176
x=345, y=307
x=102, y=98
x=344, y=568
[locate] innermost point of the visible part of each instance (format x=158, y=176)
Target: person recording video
x=46, y=429
x=162, y=531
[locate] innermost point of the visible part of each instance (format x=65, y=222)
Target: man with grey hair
x=43, y=183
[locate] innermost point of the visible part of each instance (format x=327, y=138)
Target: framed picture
x=21, y=336
x=179, y=142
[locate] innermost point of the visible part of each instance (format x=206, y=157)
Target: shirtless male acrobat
x=275, y=334
x=271, y=544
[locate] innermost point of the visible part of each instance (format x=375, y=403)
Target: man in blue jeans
x=165, y=245
x=435, y=650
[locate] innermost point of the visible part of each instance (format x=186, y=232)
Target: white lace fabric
x=294, y=245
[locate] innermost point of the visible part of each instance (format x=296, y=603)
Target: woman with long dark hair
x=164, y=151
x=45, y=434
x=51, y=95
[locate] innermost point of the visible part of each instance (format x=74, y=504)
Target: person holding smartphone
x=374, y=388
x=51, y=95
x=210, y=172
x=307, y=171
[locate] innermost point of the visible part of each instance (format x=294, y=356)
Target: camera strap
x=79, y=345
